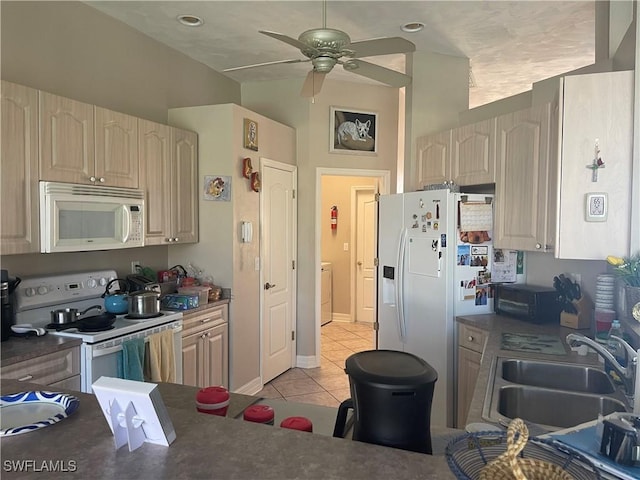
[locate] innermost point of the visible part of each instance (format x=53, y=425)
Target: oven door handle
x=106, y=351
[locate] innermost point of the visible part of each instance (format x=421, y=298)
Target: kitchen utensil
x=100, y=321
x=24, y=328
x=68, y=315
x=116, y=302
x=144, y=304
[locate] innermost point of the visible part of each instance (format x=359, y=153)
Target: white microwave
x=77, y=218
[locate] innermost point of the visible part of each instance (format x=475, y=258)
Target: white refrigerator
x=430, y=271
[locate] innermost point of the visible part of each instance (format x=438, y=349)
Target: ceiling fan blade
x=381, y=46
x=291, y=41
x=295, y=60
x=378, y=73
x=312, y=84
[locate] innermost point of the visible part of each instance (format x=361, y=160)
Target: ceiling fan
x=327, y=47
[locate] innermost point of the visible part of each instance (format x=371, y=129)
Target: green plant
x=627, y=268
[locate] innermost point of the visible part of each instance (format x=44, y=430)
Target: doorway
x=350, y=247
x=278, y=245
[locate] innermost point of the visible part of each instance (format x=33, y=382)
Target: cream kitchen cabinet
x=434, y=157
x=473, y=153
x=58, y=369
x=19, y=176
x=80, y=143
x=169, y=175
x=471, y=341
x=205, y=348
x=465, y=155
x=595, y=109
x=526, y=182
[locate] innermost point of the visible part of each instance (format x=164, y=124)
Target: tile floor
x=326, y=385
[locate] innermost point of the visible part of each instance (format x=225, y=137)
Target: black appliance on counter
x=391, y=396
x=530, y=303
x=7, y=287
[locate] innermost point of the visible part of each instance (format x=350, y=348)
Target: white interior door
x=365, y=255
x=278, y=274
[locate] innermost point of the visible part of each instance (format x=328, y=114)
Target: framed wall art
x=217, y=187
x=250, y=134
x=353, y=131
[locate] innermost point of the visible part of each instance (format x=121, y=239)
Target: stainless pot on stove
x=63, y=316
x=144, y=304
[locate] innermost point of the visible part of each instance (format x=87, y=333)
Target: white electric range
x=37, y=297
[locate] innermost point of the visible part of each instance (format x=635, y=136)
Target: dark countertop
x=206, y=446
x=498, y=324
x=18, y=349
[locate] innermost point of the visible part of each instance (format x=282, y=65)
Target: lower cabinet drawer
x=472, y=338
x=46, y=369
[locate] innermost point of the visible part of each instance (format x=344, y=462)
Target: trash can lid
x=390, y=367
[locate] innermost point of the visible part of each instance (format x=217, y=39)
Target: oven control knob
x=42, y=290
x=91, y=283
x=30, y=292
x=103, y=281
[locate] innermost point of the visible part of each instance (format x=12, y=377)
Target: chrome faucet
x=627, y=374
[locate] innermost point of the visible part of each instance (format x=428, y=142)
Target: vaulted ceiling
x=510, y=44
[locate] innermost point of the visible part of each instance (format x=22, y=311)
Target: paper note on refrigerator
x=476, y=216
x=504, y=265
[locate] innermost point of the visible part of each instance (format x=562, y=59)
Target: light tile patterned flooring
x=327, y=385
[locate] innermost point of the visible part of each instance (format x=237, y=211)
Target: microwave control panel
x=137, y=224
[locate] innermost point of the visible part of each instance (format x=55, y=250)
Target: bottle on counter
x=617, y=350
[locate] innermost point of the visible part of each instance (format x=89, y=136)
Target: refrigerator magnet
x=435, y=225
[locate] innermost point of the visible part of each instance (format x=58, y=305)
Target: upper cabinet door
x=116, y=149
x=19, y=170
x=185, y=194
x=522, y=182
x=473, y=153
x=154, y=143
x=434, y=159
x=67, y=140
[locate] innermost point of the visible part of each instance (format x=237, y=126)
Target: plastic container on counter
x=259, y=414
x=201, y=291
x=213, y=400
x=180, y=301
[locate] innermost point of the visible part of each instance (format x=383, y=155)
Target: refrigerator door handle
x=402, y=327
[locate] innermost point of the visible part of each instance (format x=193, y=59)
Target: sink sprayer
x=628, y=374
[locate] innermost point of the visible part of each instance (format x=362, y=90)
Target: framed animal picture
x=353, y=131
x=217, y=187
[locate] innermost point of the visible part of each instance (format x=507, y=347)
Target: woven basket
x=514, y=456
x=509, y=466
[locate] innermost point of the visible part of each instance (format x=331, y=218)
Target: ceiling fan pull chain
x=324, y=14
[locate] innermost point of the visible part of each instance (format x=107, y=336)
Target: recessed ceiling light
x=190, y=20
x=412, y=27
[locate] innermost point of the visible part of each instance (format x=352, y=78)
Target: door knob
x=268, y=285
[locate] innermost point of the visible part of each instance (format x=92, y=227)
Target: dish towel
x=162, y=357
x=131, y=360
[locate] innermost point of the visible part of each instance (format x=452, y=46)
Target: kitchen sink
x=564, y=376
x=558, y=408
x=553, y=395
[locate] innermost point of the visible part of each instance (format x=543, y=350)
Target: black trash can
x=391, y=395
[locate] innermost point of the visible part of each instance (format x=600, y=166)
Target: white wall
x=220, y=252
x=310, y=118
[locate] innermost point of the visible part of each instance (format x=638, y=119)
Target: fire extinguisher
x=334, y=218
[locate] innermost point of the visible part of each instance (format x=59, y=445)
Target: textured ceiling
x=510, y=44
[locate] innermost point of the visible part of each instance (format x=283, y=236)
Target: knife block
x=582, y=319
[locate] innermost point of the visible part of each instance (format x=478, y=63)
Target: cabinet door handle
x=25, y=378
x=101, y=180
x=93, y=179
x=470, y=338
x=538, y=246
x=268, y=285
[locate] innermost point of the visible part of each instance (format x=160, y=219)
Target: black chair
x=391, y=396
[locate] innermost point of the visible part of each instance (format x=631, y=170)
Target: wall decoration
x=353, y=131
x=256, y=183
x=217, y=187
x=250, y=134
x=246, y=168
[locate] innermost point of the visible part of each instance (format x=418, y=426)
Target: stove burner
x=58, y=327
x=88, y=329
x=145, y=317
